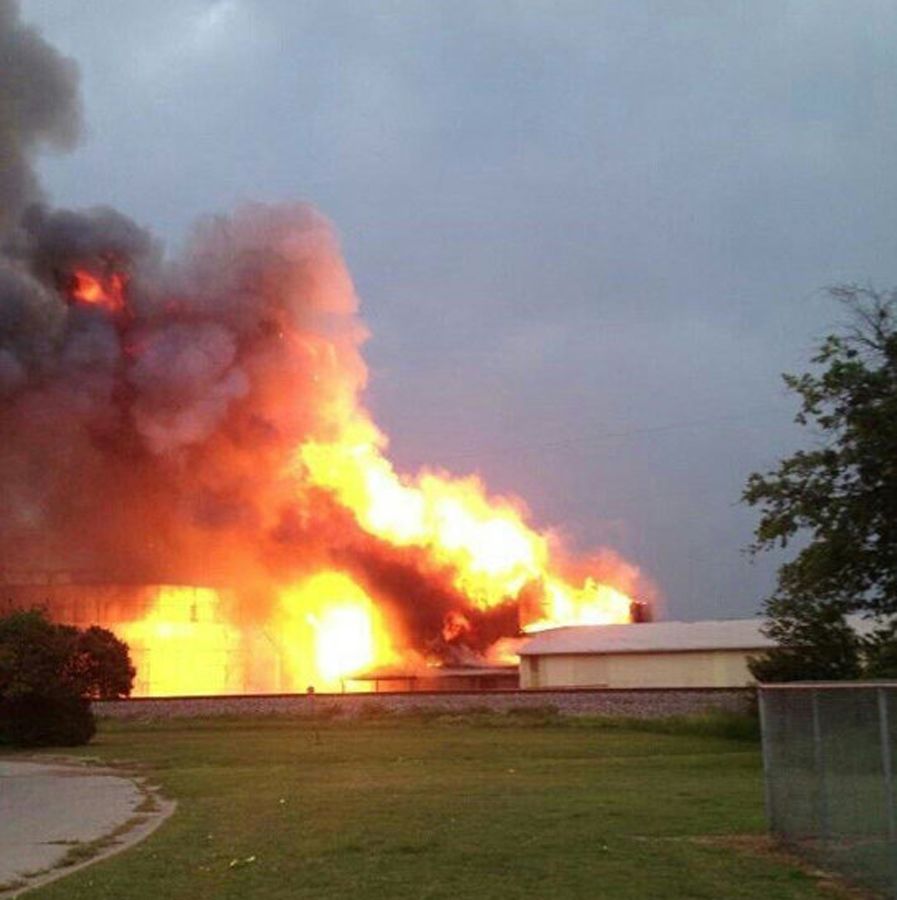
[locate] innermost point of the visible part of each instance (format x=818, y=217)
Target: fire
x=183, y=646
x=229, y=426
x=592, y=604
x=106, y=291
x=215, y=433
x=325, y=627
x=484, y=540
x=330, y=628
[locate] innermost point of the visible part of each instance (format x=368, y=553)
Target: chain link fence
x=829, y=761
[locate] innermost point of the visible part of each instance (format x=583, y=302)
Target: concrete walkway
x=56, y=817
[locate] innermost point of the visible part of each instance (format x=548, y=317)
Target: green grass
x=478, y=806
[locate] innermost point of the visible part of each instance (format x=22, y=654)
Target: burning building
x=188, y=433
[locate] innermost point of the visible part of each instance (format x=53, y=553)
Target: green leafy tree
x=813, y=644
x=98, y=665
x=840, y=494
x=881, y=654
x=48, y=675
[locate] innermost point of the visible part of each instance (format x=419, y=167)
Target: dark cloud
x=567, y=222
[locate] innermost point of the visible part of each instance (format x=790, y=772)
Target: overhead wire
x=613, y=435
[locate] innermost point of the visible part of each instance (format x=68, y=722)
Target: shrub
x=49, y=672
x=45, y=721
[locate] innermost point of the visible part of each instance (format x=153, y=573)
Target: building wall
x=704, y=668
x=177, y=640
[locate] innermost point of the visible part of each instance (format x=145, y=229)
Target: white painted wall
x=697, y=668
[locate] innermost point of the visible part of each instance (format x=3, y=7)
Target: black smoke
x=154, y=440
x=39, y=108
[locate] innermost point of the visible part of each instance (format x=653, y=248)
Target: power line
x=680, y=425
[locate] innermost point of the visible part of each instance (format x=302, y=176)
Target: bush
x=49, y=673
x=42, y=721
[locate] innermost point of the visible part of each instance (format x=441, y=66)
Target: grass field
x=427, y=807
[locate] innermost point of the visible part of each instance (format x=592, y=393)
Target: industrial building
x=711, y=653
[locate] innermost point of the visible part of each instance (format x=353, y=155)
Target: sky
x=588, y=237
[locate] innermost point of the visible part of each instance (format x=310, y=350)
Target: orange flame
x=106, y=292
x=484, y=540
x=592, y=604
x=264, y=472
x=325, y=627
x=183, y=646
x=330, y=628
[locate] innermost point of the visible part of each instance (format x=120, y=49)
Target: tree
x=841, y=494
x=99, y=665
x=49, y=673
x=814, y=644
x=881, y=654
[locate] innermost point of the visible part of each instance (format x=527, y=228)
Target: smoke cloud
x=152, y=408
x=38, y=107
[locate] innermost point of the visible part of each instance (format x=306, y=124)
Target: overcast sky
x=587, y=236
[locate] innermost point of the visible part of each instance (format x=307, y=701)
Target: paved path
x=46, y=808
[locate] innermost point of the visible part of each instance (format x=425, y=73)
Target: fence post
x=884, y=734
x=819, y=765
x=766, y=744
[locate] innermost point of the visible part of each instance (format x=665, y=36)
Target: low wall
x=637, y=702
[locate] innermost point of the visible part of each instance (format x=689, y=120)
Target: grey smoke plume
x=38, y=107
x=177, y=413
x=150, y=438
x=151, y=407
x=155, y=442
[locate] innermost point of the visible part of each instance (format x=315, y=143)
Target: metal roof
x=660, y=637
x=650, y=637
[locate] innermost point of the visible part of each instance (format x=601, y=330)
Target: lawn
x=440, y=807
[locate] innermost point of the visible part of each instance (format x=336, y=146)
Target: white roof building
x=710, y=634
x=711, y=653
